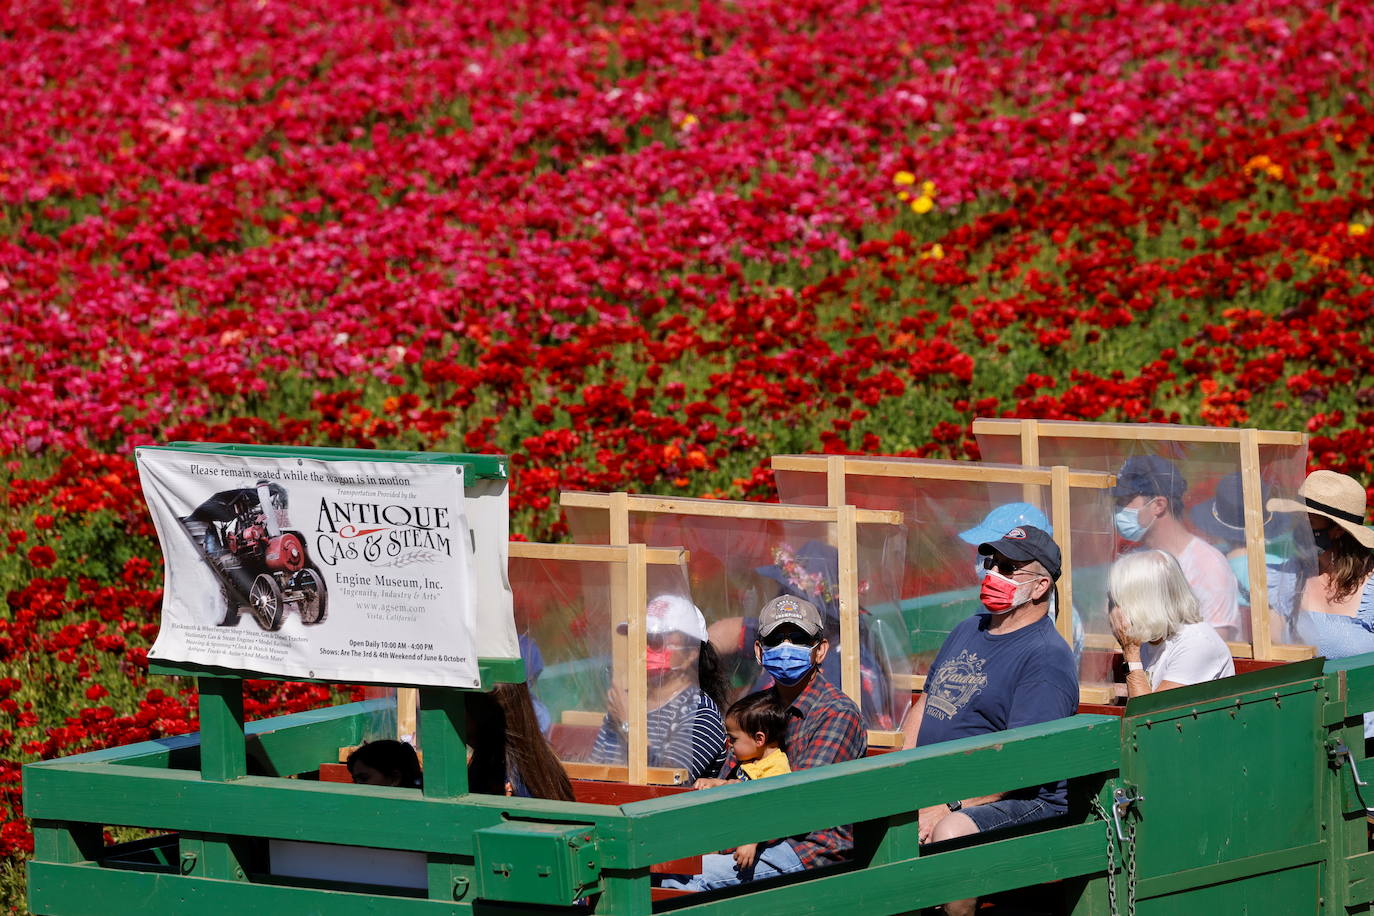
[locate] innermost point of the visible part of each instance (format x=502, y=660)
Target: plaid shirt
x=825, y=728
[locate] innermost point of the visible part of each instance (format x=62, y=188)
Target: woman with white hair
x=1155, y=617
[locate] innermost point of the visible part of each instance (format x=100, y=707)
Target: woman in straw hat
x=1335, y=605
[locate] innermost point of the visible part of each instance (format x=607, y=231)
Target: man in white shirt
x=1149, y=500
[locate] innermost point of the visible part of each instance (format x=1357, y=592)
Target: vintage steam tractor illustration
x=263, y=566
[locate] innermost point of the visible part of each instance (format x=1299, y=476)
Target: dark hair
x=393, y=759
x=507, y=745
x=711, y=677
x=1349, y=565
x=761, y=712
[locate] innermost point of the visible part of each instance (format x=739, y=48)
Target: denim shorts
x=1010, y=812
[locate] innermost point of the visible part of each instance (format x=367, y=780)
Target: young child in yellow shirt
x=756, y=727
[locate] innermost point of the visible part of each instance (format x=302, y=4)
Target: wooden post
x=1063, y=536
x=406, y=699
x=1030, y=457
x=443, y=733
x=636, y=597
x=847, y=534
x=834, y=480
x=1252, y=490
x=625, y=676
x=223, y=753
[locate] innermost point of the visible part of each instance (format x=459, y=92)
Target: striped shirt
x=685, y=732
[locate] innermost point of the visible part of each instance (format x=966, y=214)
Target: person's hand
x=708, y=783
x=617, y=704
x=1121, y=629
x=929, y=817
x=746, y=854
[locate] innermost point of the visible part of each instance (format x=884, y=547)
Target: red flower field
x=636, y=246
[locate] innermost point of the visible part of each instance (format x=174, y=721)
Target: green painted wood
x=930, y=880
x=1358, y=674
x=1238, y=778
x=57, y=841
x=83, y=890
x=474, y=465
x=223, y=748
x=889, y=839
x=451, y=878
x=285, y=745
x=1209, y=691
x=213, y=856
x=442, y=722
x=858, y=790
x=320, y=812
x=1193, y=878
x=626, y=894
x=1290, y=892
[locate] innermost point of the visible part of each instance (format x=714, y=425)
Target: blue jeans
x=1009, y=812
x=719, y=870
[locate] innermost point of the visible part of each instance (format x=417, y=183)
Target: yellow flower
x=936, y=253
x=1357, y=229
x=902, y=195
x=904, y=178
x=922, y=204
x=687, y=122
x=928, y=188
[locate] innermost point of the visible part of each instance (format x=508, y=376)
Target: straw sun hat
x=1334, y=496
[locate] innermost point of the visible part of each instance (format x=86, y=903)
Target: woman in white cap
x=1335, y=604
x=685, y=691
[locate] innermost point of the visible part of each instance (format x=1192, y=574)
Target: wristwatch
x=954, y=805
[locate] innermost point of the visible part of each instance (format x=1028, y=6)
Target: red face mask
x=998, y=593
x=659, y=661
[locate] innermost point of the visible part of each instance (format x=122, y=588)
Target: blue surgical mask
x=979, y=570
x=1128, y=524
x=787, y=663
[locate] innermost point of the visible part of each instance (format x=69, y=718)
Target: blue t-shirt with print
x=985, y=682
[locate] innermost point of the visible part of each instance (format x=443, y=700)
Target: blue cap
x=1149, y=475
x=1004, y=518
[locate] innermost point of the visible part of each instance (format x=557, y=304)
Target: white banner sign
x=295, y=567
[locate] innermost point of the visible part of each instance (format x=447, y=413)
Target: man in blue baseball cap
x=1001, y=668
x=1149, y=512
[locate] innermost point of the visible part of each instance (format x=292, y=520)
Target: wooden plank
x=1293, y=653
x=85, y=890
x=594, y=553
x=912, y=884
x=847, y=533
x=318, y=812
x=936, y=469
x=724, y=508
x=909, y=681
x=859, y=790
x=1063, y=536
x=1096, y=696
x=1142, y=432
x=878, y=738
x=612, y=773
x=1251, y=490
x=582, y=717
x=637, y=599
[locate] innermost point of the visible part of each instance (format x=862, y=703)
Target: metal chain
x=1111, y=855
x=1130, y=867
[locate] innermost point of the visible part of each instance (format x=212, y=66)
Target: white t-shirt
x=1215, y=585
x=1194, y=654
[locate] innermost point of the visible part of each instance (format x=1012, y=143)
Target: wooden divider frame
x=1059, y=479
x=846, y=520
x=1248, y=442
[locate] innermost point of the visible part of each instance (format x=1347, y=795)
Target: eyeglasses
x=1004, y=566
x=775, y=639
